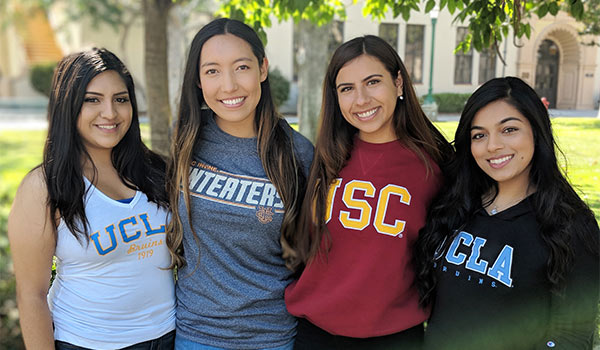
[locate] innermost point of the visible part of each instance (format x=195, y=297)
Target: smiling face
x=105, y=114
x=502, y=144
x=367, y=95
x=230, y=77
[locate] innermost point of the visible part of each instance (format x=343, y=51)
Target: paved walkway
x=35, y=119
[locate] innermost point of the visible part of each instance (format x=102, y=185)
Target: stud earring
x=401, y=97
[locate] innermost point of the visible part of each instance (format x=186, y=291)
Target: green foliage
x=280, y=87
x=257, y=13
x=40, y=77
x=451, y=102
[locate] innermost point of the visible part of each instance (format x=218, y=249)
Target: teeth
x=233, y=101
x=500, y=160
x=107, y=127
x=367, y=113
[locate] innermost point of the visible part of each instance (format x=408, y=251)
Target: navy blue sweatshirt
x=493, y=293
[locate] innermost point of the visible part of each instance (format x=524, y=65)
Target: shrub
x=451, y=102
x=40, y=77
x=280, y=87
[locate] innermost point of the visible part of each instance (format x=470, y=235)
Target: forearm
x=36, y=323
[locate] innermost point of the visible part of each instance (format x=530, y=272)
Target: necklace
x=495, y=209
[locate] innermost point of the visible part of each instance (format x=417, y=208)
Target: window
x=413, y=59
x=389, y=33
x=487, y=65
x=463, y=62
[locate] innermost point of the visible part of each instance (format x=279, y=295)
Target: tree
x=489, y=22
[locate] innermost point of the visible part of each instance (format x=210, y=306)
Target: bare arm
x=32, y=244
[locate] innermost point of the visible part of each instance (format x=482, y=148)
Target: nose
x=494, y=142
x=229, y=82
x=362, y=96
x=108, y=110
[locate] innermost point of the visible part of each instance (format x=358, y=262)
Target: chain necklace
x=495, y=210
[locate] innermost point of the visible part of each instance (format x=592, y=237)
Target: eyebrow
x=99, y=94
x=507, y=119
x=236, y=61
x=365, y=79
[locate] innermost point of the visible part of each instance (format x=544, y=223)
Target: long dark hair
x=336, y=135
x=555, y=203
x=64, y=152
x=274, y=139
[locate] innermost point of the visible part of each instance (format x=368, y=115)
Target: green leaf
x=452, y=6
x=577, y=9
x=542, y=10
x=553, y=8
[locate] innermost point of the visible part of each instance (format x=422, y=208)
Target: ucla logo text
x=500, y=270
x=128, y=231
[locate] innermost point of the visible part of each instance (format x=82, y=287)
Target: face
x=230, y=77
x=502, y=144
x=367, y=95
x=106, y=112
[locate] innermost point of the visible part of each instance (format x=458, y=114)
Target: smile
x=499, y=162
x=233, y=101
x=107, y=127
x=367, y=114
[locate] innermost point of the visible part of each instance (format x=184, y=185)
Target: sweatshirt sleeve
x=573, y=316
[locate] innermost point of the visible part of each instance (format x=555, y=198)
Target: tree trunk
x=312, y=57
x=156, y=71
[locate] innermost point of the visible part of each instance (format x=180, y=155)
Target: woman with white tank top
x=98, y=204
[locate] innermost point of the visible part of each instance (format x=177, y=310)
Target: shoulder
x=302, y=146
x=29, y=210
x=33, y=186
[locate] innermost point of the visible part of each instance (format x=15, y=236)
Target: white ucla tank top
x=113, y=291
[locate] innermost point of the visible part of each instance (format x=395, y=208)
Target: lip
x=237, y=101
x=501, y=161
x=373, y=112
x=108, y=128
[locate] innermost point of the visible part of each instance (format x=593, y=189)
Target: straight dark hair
x=561, y=214
x=336, y=135
x=64, y=152
x=274, y=137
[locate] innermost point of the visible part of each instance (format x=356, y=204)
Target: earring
x=401, y=97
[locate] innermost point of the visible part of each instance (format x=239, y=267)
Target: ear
x=399, y=83
x=199, y=84
x=264, y=69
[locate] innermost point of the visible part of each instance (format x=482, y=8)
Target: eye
x=243, y=67
x=210, y=71
x=373, y=82
x=90, y=99
x=345, y=89
x=509, y=130
x=477, y=136
x=122, y=99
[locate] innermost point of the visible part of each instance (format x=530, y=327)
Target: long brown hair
x=274, y=138
x=335, y=139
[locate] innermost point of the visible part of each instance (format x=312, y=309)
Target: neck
x=101, y=160
x=508, y=195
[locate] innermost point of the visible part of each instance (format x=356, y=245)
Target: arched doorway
x=546, y=71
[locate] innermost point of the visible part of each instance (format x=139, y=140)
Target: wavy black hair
x=561, y=214
x=64, y=152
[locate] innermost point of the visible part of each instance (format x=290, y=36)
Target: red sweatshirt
x=363, y=286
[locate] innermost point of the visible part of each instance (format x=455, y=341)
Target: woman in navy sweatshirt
x=510, y=249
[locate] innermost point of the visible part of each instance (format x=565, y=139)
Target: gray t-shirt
x=233, y=297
